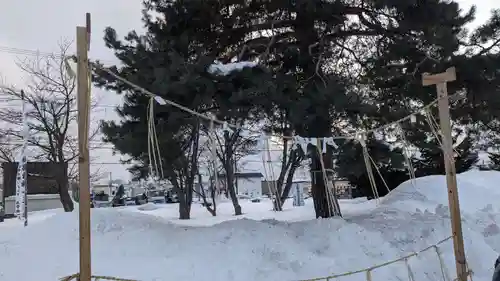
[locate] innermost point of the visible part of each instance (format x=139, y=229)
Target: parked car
x=157, y=196
x=119, y=199
x=141, y=199
x=171, y=197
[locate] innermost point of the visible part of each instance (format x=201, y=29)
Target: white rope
x=444, y=271
x=268, y=183
x=325, y=177
x=406, y=153
x=411, y=276
x=329, y=187
x=369, y=275
x=437, y=134
x=271, y=170
x=438, y=130
x=379, y=173
x=362, y=141
x=153, y=145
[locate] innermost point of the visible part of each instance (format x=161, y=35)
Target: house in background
x=103, y=188
x=299, y=183
x=246, y=183
x=343, y=189
x=43, y=179
x=249, y=183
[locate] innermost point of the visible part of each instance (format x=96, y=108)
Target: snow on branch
x=225, y=69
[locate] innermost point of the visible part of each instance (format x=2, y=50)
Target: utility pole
x=83, y=88
x=441, y=80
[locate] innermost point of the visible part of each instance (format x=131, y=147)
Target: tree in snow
x=50, y=96
x=353, y=62
x=494, y=161
x=431, y=161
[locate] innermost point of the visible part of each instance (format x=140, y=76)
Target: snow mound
x=148, y=207
x=476, y=189
x=148, y=246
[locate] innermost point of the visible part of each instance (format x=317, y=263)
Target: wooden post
x=83, y=88
x=440, y=80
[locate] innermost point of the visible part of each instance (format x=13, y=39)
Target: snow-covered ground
x=148, y=242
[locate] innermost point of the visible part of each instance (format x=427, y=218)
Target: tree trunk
x=231, y=190
x=184, y=204
x=184, y=210
x=320, y=125
x=318, y=189
x=229, y=168
x=202, y=194
x=288, y=183
x=291, y=166
x=65, y=198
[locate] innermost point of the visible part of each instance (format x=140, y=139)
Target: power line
x=36, y=53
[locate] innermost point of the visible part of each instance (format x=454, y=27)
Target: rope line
x=406, y=155
x=76, y=277
x=271, y=171
x=444, y=272
x=379, y=174
x=411, y=276
x=368, y=270
x=204, y=116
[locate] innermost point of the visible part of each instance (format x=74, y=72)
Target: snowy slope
x=148, y=243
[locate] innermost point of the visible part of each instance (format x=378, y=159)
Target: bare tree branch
x=49, y=95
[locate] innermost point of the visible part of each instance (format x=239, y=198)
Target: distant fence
x=367, y=271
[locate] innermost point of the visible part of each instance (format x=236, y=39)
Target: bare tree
x=232, y=146
x=8, y=148
x=50, y=97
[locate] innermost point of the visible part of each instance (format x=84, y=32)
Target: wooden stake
x=440, y=80
x=83, y=87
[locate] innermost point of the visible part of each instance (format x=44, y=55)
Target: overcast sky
x=40, y=25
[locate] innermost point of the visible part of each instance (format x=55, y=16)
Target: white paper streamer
x=303, y=143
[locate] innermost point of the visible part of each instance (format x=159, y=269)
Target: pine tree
x=494, y=161
x=357, y=73
x=431, y=161
x=389, y=163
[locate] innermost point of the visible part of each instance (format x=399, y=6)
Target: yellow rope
x=330, y=198
x=379, y=173
x=368, y=166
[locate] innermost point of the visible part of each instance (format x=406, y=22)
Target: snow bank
x=477, y=189
x=148, y=207
x=149, y=244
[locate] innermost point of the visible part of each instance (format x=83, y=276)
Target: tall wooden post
x=83, y=88
x=440, y=80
